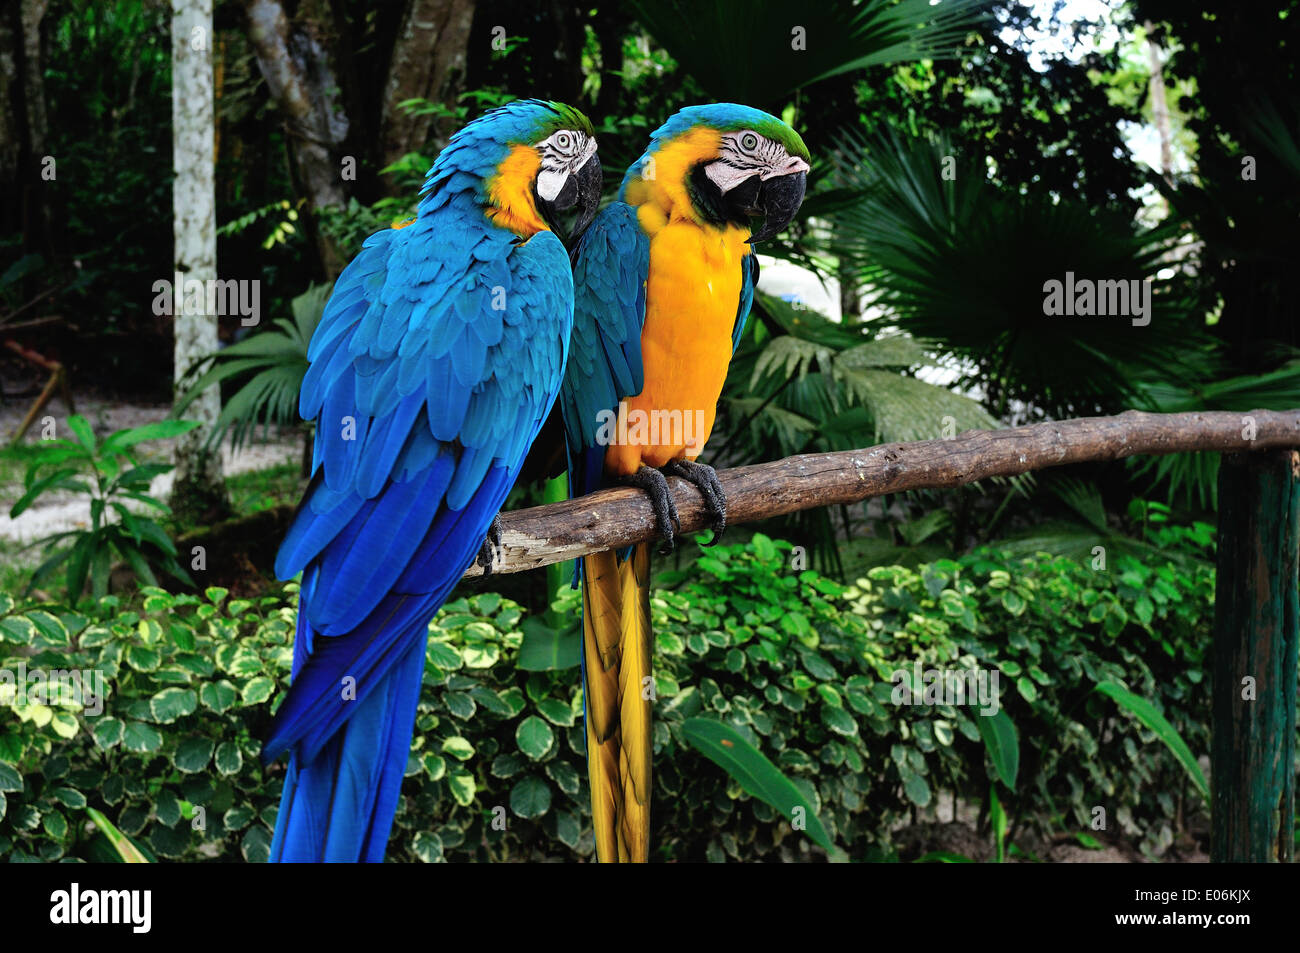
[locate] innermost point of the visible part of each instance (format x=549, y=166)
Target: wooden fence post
x=1256, y=633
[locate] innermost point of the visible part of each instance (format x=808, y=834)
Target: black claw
x=705, y=479
x=655, y=485
x=491, y=542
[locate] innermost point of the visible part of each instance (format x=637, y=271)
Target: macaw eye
x=749, y=142
x=564, y=142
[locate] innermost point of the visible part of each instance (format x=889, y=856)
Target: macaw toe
x=705, y=479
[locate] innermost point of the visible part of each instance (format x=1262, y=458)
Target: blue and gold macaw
x=437, y=358
x=663, y=282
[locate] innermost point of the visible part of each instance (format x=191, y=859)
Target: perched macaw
x=663, y=282
x=437, y=358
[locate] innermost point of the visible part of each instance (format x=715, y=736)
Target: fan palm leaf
x=271, y=363
x=962, y=265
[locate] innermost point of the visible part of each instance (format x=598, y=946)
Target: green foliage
x=730, y=750
x=108, y=474
x=123, y=848
x=167, y=751
x=1003, y=745
x=801, y=383
x=1241, y=216
x=1039, y=112
x=1150, y=716
x=272, y=361
x=1193, y=477
x=800, y=669
x=349, y=227
x=281, y=230
x=1147, y=537
x=1053, y=628
x=497, y=770
x=808, y=384
x=784, y=652
x=259, y=490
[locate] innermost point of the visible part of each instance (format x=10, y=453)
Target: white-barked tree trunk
x=194, y=228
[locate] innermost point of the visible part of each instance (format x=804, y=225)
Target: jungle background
x=964, y=153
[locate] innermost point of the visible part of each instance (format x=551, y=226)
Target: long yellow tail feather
x=616, y=645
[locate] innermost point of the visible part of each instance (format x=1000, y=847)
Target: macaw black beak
x=589, y=180
x=778, y=199
x=580, y=192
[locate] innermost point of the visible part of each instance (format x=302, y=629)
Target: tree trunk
x=24, y=127
x=1159, y=105
x=199, y=490
x=33, y=11
x=850, y=293
x=11, y=133
x=297, y=69
x=427, y=63
x=611, y=24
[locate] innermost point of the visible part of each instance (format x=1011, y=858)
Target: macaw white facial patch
x=744, y=154
x=563, y=153
x=550, y=181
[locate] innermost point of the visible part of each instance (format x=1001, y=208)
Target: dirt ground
x=56, y=512
x=959, y=834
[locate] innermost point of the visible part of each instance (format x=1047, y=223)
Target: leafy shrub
x=1054, y=629
x=797, y=664
x=185, y=680
x=109, y=474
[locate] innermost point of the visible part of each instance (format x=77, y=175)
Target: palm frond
x=964, y=266
x=1277, y=129
x=1082, y=496
x=272, y=364
x=903, y=408
x=894, y=350
x=789, y=356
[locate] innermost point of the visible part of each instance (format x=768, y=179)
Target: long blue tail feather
x=338, y=806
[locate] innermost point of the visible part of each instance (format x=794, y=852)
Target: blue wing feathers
x=609, y=276
x=399, y=616
x=310, y=534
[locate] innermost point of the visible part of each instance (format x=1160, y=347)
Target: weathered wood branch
x=614, y=518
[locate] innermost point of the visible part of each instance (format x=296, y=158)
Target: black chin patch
x=568, y=193
x=705, y=195
x=744, y=197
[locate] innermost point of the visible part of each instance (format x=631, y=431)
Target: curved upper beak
x=580, y=193
x=779, y=199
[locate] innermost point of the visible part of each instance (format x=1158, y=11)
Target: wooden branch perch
x=614, y=518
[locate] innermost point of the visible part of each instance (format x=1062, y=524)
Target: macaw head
x=732, y=163
x=536, y=160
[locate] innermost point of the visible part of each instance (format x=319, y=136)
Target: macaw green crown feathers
x=566, y=118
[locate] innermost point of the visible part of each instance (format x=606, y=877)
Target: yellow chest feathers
x=695, y=267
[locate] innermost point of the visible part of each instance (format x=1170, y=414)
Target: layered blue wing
x=609, y=277
x=438, y=357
